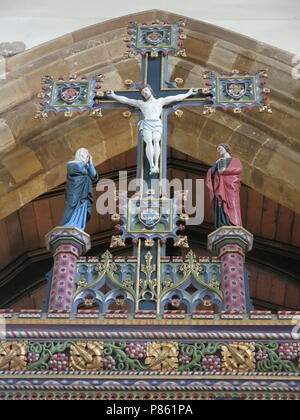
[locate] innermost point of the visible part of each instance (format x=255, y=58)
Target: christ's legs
x=156, y=139
x=147, y=136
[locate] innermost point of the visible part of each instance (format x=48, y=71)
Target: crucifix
x=151, y=124
x=154, y=98
x=150, y=218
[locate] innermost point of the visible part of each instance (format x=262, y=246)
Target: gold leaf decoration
x=13, y=355
x=117, y=242
x=238, y=357
x=162, y=356
x=87, y=356
x=181, y=242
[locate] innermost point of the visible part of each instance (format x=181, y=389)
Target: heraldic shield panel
x=151, y=216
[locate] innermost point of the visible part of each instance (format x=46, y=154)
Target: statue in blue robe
x=79, y=198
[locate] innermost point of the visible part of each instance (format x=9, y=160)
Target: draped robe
x=79, y=194
x=224, y=190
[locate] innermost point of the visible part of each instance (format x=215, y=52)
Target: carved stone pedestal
x=66, y=244
x=231, y=244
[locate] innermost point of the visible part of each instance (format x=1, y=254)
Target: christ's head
x=146, y=92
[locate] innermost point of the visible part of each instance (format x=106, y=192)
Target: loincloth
x=151, y=125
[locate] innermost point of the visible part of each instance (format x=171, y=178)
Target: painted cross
x=151, y=219
x=152, y=97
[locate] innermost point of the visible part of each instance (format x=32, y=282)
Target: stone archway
x=33, y=153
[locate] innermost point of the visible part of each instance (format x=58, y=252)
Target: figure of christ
x=151, y=124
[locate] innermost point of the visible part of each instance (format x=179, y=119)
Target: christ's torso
x=151, y=109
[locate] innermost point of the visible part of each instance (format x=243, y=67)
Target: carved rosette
x=13, y=355
x=87, y=356
x=162, y=356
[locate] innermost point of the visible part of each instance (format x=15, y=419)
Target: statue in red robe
x=223, y=182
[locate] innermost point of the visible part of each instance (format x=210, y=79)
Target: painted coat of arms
x=149, y=216
x=236, y=90
x=154, y=37
x=70, y=94
x=156, y=217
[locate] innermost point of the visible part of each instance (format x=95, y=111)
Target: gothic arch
x=33, y=153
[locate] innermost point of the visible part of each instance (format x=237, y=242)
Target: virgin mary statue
x=223, y=182
x=79, y=198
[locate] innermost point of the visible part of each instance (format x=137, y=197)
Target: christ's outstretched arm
x=178, y=98
x=123, y=99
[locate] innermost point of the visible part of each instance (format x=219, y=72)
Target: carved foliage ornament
x=107, y=264
x=13, y=355
x=238, y=357
x=86, y=356
x=181, y=242
x=191, y=264
x=117, y=242
x=148, y=269
x=162, y=356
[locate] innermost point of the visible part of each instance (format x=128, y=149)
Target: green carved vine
x=44, y=351
x=123, y=361
x=272, y=361
x=196, y=352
